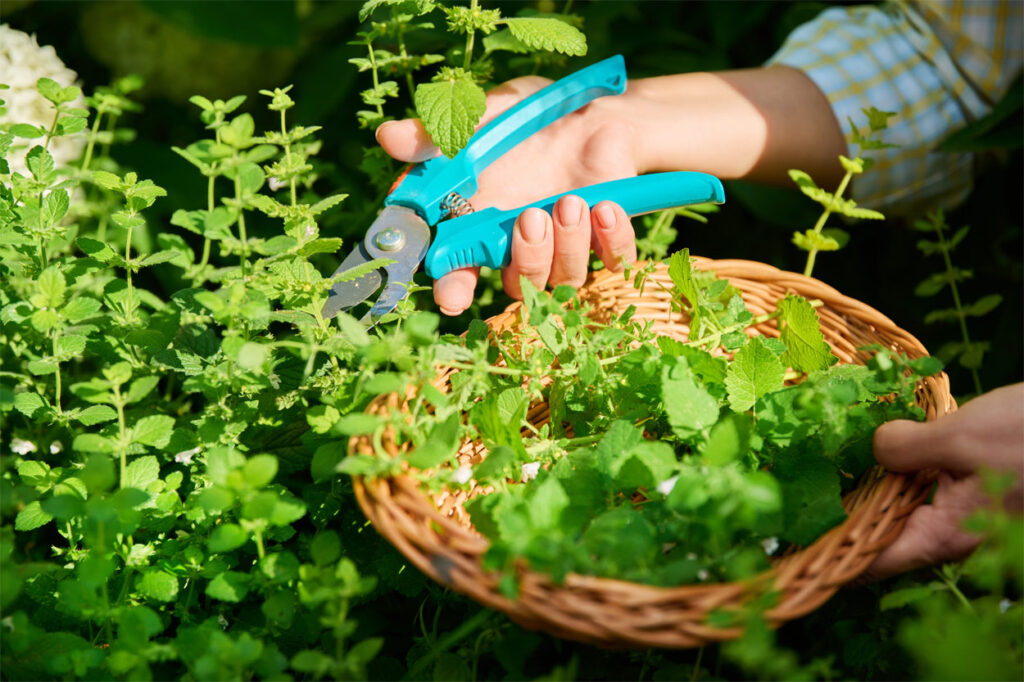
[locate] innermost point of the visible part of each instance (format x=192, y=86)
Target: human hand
x=588, y=146
x=988, y=432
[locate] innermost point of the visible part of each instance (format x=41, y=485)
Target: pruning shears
x=433, y=194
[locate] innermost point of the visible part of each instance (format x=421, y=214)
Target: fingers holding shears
x=550, y=250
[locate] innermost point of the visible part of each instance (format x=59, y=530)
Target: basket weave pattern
x=436, y=534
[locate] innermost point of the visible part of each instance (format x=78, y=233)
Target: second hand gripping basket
x=436, y=535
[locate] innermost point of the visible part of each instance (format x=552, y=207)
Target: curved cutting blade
x=398, y=234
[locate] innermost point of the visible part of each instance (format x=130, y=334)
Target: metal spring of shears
x=456, y=205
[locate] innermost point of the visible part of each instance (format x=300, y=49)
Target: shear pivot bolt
x=390, y=239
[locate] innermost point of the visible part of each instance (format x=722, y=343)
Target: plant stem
x=241, y=227
x=87, y=159
x=405, y=59
x=56, y=376
x=696, y=665
x=46, y=147
x=122, y=434
x=453, y=638
x=944, y=247
x=260, y=551
x=209, y=207
x=288, y=156
x=813, y=253
x=467, y=59
x=111, y=124
x=51, y=131
x=128, y=269
x=373, y=70
x=954, y=589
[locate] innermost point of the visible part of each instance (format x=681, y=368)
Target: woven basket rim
x=877, y=493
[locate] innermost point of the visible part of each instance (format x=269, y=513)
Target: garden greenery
x=172, y=448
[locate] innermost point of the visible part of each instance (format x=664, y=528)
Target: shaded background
x=219, y=49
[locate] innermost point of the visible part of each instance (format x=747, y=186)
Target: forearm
x=753, y=124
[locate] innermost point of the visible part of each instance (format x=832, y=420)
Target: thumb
x=406, y=140
x=904, y=445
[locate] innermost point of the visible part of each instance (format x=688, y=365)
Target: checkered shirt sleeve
x=938, y=65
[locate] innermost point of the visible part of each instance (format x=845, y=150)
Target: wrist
x=752, y=124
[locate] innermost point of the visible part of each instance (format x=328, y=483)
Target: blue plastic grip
x=485, y=237
x=429, y=183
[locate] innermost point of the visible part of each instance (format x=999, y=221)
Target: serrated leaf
x=52, y=285
x=39, y=163
x=688, y=405
x=933, y=284
x=81, y=308
x=70, y=346
x=323, y=245
x=229, y=586
x=984, y=305
x=908, y=595
x=96, y=414
x=140, y=388
x=157, y=584
x=157, y=257
x=547, y=503
x=55, y=206
x=681, y=271
x=260, y=470
x=26, y=131
x=154, y=430
x=504, y=40
x=327, y=203
x=29, y=404
x=106, y=180
x=450, y=109
x=806, y=349
x=810, y=496
x=31, y=516
x=141, y=471
x=544, y=33
x=227, y=537
x=729, y=439
x=754, y=372
x=854, y=166
x=809, y=240
x=95, y=249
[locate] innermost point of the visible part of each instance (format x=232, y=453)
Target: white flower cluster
x=22, y=63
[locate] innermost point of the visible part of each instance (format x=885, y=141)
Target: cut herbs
x=663, y=461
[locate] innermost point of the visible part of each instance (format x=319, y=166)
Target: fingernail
x=570, y=211
x=451, y=312
x=605, y=216
x=376, y=133
x=533, y=225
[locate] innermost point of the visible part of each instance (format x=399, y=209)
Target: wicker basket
x=436, y=535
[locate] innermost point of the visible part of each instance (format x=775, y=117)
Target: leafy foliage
x=833, y=239
x=452, y=104
x=351, y=607
x=970, y=354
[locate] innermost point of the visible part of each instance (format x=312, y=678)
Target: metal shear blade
x=398, y=234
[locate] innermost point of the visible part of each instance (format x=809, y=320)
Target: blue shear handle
x=485, y=237
x=429, y=183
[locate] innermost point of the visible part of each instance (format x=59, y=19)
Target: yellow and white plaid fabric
x=938, y=64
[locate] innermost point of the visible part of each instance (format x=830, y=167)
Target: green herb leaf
x=806, y=349
x=688, y=405
x=553, y=35
x=158, y=585
x=450, y=108
x=754, y=372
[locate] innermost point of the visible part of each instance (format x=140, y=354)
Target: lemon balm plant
x=147, y=433
x=174, y=409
